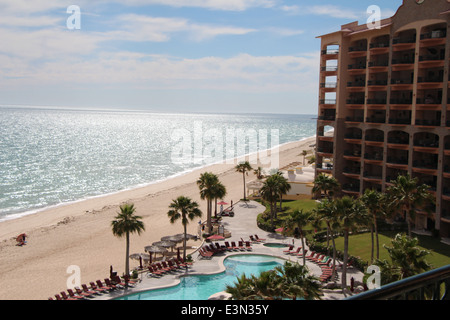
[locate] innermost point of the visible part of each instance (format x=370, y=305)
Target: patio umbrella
x=216, y=237
x=155, y=249
x=140, y=257
x=175, y=238
x=222, y=203
x=188, y=236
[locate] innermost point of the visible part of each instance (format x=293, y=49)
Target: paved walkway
x=241, y=225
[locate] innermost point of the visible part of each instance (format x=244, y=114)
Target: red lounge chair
x=253, y=239
x=58, y=297
x=84, y=294
x=318, y=258
x=173, y=265
x=300, y=254
x=182, y=261
x=102, y=286
x=296, y=251
x=205, y=254
x=241, y=246
x=95, y=288
x=73, y=295
x=165, y=265
x=86, y=289
x=110, y=284
x=154, y=271
x=289, y=249
x=311, y=255
x=248, y=246
x=66, y=297
x=259, y=239
x=228, y=246
x=234, y=246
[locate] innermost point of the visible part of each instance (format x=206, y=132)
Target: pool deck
x=242, y=225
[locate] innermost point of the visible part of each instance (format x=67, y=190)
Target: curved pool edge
x=176, y=280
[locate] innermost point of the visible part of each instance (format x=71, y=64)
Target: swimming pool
x=275, y=245
x=201, y=287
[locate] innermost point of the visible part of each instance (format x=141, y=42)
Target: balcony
x=329, y=70
x=377, y=85
x=404, y=43
x=431, y=285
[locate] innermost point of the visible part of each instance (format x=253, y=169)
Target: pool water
x=201, y=287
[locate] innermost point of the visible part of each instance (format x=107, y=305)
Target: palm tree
x=351, y=214
x=374, y=201
x=125, y=223
x=297, y=282
x=289, y=281
x=270, y=193
x=304, y=153
x=185, y=209
x=299, y=219
x=283, y=186
x=406, y=259
x=407, y=195
x=258, y=173
x=325, y=212
x=220, y=191
x=326, y=185
x=207, y=185
x=244, y=168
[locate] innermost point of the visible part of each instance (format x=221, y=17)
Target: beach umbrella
x=216, y=237
x=188, y=236
x=140, y=257
x=164, y=244
x=175, y=238
x=155, y=250
x=222, y=203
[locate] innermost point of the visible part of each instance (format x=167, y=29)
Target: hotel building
x=385, y=90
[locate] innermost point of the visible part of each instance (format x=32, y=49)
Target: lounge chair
x=248, y=246
x=228, y=246
x=253, y=239
x=152, y=270
x=86, y=289
x=110, y=284
x=324, y=261
x=296, y=251
x=103, y=286
x=185, y=262
x=289, y=249
x=96, y=288
x=313, y=253
x=180, y=263
x=219, y=248
x=73, y=295
x=58, y=297
x=173, y=265
x=205, y=254
x=66, y=297
x=259, y=239
x=84, y=294
x=318, y=258
x=165, y=265
x=234, y=246
x=300, y=254
x=161, y=267
x=241, y=246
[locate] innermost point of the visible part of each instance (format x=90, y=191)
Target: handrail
x=415, y=287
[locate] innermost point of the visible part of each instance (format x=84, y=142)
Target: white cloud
x=145, y=28
x=241, y=72
x=226, y=5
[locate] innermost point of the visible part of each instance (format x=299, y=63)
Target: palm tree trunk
x=303, y=246
x=243, y=176
x=344, y=267
x=333, y=269
x=127, y=261
x=373, y=246
x=375, y=227
x=184, y=243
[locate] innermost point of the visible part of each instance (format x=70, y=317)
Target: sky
x=214, y=56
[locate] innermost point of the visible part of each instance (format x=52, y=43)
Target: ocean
x=51, y=156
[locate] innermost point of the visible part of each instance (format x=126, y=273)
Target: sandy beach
x=79, y=234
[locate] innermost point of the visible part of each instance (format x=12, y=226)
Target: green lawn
x=360, y=246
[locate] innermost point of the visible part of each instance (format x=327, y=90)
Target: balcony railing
x=431, y=285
